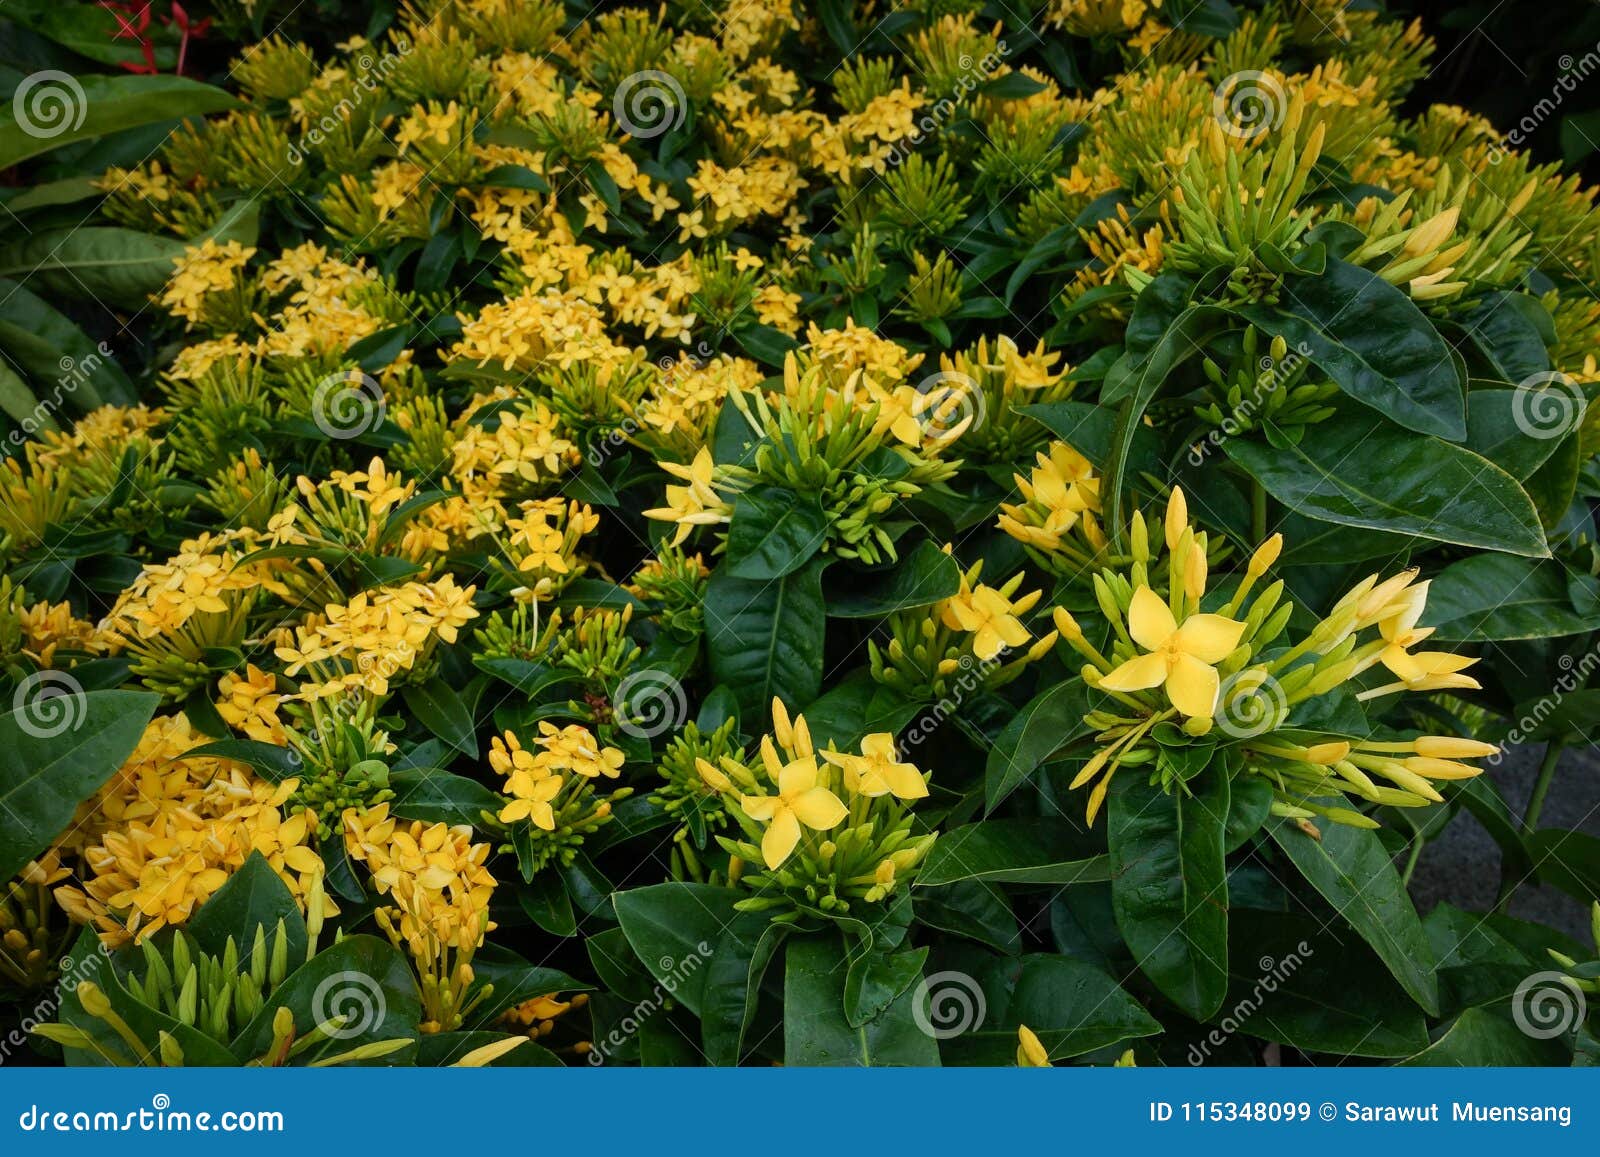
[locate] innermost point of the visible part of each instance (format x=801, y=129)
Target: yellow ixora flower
x=696, y=504
x=1181, y=656
x=1419, y=670
x=991, y=618
x=876, y=771
x=800, y=800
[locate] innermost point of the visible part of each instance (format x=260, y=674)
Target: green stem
x=1541, y=787
x=1258, y=511
x=1417, y=845
x=1530, y=818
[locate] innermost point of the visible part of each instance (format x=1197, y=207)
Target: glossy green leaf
x=764, y=637
x=1072, y=1007
x=1049, y=722
x=1374, y=342
x=919, y=579
x=56, y=751
x=1169, y=886
x=55, y=109
x=1496, y=597
x=434, y=796
x=441, y=709
x=1567, y=860
x=1358, y=469
x=1479, y=1038
x=815, y=1031
x=363, y=979
x=253, y=897
x=1352, y=870
x=1295, y=981
x=774, y=532
x=1020, y=851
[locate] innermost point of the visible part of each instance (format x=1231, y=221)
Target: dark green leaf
x=1169, y=886
x=56, y=750
x=1354, y=873
x=1358, y=469
x=774, y=532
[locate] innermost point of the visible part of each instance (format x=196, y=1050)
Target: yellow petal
x=818, y=809
x=1209, y=638
x=1192, y=686
x=798, y=776
x=1150, y=622
x=1136, y=674
x=780, y=838
x=905, y=781
x=758, y=807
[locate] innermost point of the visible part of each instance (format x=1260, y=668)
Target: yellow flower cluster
x=169, y=831
x=435, y=876
x=376, y=638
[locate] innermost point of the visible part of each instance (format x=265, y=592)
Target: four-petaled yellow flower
x=876, y=772
x=696, y=504
x=531, y=799
x=1421, y=670
x=800, y=800
x=990, y=617
x=1181, y=656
